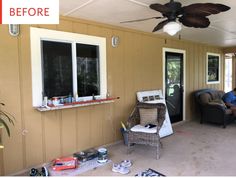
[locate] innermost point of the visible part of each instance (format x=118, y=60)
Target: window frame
x=39, y=34
x=219, y=68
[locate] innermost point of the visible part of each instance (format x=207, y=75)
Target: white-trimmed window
x=66, y=63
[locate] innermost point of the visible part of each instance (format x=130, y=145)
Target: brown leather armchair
x=212, y=108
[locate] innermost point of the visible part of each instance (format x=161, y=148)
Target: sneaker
x=44, y=172
x=34, y=172
x=126, y=163
x=120, y=169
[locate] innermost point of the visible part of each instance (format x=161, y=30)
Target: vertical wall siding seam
x=112, y=87
x=43, y=137
x=204, y=68
x=193, y=68
x=123, y=76
x=59, y=115
x=76, y=130
x=102, y=124
x=188, y=78
x=201, y=68
x=19, y=41
x=196, y=67
x=90, y=135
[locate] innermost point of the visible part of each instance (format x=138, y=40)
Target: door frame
x=164, y=50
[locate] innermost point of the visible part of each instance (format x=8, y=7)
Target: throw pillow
x=148, y=116
x=157, y=97
x=151, y=98
x=145, y=98
x=218, y=101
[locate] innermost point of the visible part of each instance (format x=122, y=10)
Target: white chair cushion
x=140, y=128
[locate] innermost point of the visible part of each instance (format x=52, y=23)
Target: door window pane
x=88, y=78
x=57, y=68
x=174, y=83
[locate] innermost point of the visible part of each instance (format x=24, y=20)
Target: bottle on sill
x=108, y=95
x=45, y=101
x=94, y=97
x=70, y=98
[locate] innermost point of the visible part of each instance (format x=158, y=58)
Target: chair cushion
x=148, y=116
x=140, y=128
x=218, y=101
x=228, y=111
x=205, y=98
x=217, y=94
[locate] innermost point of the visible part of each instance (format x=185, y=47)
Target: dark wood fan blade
x=139, y=20
x=205, y=9
x=160, y=25
x=194, y=21
x=160, y=8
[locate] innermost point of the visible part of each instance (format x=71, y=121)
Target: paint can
x=102, y=155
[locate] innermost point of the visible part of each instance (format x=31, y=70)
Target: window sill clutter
x=76, y=104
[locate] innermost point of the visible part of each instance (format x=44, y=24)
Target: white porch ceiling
x=221, y=32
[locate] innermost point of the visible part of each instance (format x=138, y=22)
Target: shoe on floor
x=44, y=172
x=120, y=169
x=36, y=172
x=126, y=163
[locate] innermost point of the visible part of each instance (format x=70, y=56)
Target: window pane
x=88, y=78
x=57, y=68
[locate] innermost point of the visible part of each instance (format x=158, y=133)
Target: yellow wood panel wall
x=136, y=64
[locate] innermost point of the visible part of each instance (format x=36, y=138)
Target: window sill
x=76, y=104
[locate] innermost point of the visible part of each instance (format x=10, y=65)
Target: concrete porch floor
x=193, y=150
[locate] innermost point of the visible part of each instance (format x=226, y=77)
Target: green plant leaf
x=6, y=126
x=4, y=117
x=7, y=115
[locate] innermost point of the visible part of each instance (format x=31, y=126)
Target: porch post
x=233, y=72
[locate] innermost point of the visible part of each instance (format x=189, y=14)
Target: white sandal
x=120, y=169
x=126, y=163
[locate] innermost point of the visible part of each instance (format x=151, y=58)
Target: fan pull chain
x=179, y=36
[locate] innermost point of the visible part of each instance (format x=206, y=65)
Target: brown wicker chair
x=151, y=139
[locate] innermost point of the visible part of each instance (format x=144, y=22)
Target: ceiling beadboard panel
x=115, y=12
x=209, y=35
x=66, y=6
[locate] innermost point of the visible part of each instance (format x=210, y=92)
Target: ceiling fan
x=194, y=15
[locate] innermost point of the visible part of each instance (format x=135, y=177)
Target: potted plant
x=5, y=117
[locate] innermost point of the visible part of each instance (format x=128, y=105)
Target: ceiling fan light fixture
x=172, y=28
